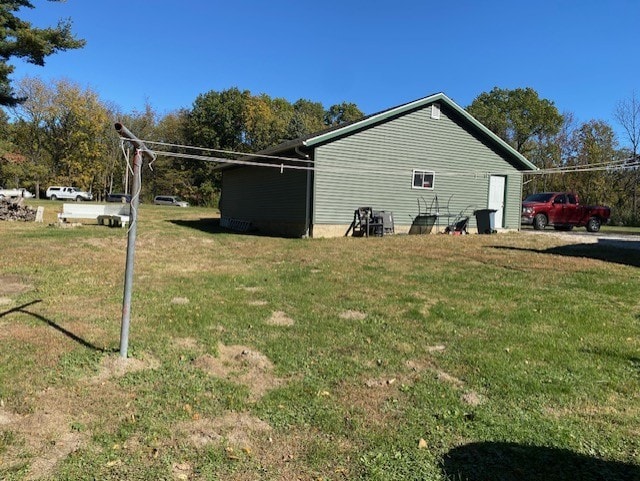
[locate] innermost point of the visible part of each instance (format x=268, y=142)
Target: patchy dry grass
x=426, y=357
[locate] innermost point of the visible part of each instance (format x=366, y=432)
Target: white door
x=496, y=198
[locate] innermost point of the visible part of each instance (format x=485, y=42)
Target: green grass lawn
x=510, y=357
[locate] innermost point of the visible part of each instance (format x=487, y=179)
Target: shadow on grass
x=69, y=334
x=212, y=226
x=618, y=356
x=617, y=251
x=495, y=461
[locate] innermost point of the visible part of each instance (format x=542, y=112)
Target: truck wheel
x=540, y=222
x=53, y=197
x=594, y=224
x=78, y=199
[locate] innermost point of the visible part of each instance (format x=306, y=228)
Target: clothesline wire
x=617, y=165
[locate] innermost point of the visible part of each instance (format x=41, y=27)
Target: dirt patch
x=353, y=315
x=366, y=401
x=46, y=434
x=279, y=318
x=7, y=417
x=449, y=379
x=472, y=398
x=116, y=366
x=250, y=288
x=418, y=365
x=62, y=421
x=436, y=348
x=243, y=365
x=426, y=308
x=286, y=456
x=180, y=300
x=181, y=471
x=186, y=343
x=55, y=452
x=258, y=303
x=12, y=285
x=248, y=438
x=238, y=430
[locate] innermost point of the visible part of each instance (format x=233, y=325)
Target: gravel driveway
x=621, y=241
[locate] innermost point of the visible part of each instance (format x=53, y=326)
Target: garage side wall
x=374, y=168
x=270, y=201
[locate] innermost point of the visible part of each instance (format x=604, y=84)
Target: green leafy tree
x=190, y=179
x=552, y=152
x=114, y=176
x=593, y=144
x=13, y=166
x=62, y=127
x=266, y=121
x=75, y=127
x=342, y=113
x=216, y=120
x=29, y=133
x=34, y=168
x=308, y=117
x=520, y=117
x=237, y=121
x=19, y=39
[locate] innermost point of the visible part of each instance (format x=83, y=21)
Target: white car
x=68, y=193
x=24, y=193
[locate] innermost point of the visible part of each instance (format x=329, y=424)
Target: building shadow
x=212, y=226
x=501, y=461
x=624, y=252
x=74, y=337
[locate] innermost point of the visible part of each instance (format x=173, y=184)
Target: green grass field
x=502, y=357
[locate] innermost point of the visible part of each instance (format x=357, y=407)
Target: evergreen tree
x=19, y=39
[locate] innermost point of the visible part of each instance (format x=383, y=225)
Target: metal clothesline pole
x=141, y=150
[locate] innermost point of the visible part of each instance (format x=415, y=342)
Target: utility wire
x=585, y=168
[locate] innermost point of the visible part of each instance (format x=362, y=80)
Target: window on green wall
x=423, y=179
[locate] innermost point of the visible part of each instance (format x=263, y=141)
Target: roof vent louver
x=435, y=111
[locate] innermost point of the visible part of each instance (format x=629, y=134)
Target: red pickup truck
x=563, y=211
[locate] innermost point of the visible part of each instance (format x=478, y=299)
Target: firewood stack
x=16, y=210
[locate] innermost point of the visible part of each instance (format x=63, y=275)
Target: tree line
x=585, y=158
x=62, y=134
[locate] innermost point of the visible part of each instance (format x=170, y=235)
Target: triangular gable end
x=396, y=111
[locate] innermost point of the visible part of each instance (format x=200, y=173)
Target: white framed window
x=423, y=179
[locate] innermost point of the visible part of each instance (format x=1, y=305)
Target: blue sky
x=582, y=55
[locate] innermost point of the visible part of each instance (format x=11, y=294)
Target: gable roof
x=373, y=119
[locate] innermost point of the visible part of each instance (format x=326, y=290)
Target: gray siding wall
x=374, y=168
x=265, y=197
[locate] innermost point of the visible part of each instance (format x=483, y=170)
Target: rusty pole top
x=124, y=132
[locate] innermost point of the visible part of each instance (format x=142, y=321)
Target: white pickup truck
x=67, y=193
x=8, y=193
